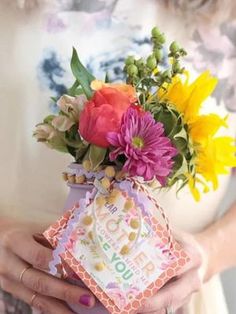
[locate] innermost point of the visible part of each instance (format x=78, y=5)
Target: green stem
x=71, y=91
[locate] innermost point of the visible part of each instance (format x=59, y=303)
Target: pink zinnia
x=148, y=151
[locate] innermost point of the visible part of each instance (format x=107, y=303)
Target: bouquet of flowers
x=151, y=126
x=126, y=138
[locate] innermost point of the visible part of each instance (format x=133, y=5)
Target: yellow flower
x=215, y=158
x=186, y=97
x=214, y=155
x=205, y=126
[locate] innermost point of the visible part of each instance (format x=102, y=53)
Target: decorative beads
x=128, y=205
x=115, y=193
x=111, y=199
x=80, y=179
x=132, y=236
x=87, y=220
x=101, y=201
x=90, y=235
x=125, y=250
x=100, y=266
x=120, y=175
x=134, y=223
x=71, y=178
x=110, y=172
x=105, y=183
x=64, y=176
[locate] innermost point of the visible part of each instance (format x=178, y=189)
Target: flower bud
x=69, y=104
x=159, y=40
x=44, y=132
x=174, y=47
x=140, y=63
x=129, y=60
x=132, y=70
x=158, y=55
x=62, y=123
x=155, y=32
x=151, y=62
x=176, y=67
x=167, y=74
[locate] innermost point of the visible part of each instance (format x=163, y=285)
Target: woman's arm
x=218, y=242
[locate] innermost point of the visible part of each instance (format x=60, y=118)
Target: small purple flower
x=142, y=140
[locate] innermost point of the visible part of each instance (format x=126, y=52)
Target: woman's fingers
x=54, y=287
x=46, y=284
x=32, y=252
x=173, y=294
x=42, y=303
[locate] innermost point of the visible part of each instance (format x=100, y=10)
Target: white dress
x=34, y=63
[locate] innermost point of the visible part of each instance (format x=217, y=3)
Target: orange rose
x=129, y=90
x=103, y=114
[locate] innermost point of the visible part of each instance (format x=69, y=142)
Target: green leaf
x=54, y=99
x=81, y=74
x=80, y=152
x=72, y=151
x=169, y=120
x=178, y=162
x=72, y=137
x=49, y=119
x=181, y=144
x=58, y=144
x=182, y=170
x=78, y=91
x=107, y=78
x=72, y=89
x=182, y=134
x=96, y=155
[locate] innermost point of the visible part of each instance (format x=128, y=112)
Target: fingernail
x=85, y=300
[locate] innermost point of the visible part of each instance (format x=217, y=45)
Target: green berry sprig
x=146, y=74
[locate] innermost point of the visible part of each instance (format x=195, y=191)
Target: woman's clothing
x=10, y=305
x=35, y=65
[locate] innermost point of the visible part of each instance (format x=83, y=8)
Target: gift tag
x=120, y=250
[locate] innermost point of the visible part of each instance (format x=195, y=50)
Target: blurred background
x=37, y=52
x=229, y=277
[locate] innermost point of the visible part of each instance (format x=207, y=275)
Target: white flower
x=48, y=135
x=62, y=123
x=72, y=106
x=44, y=132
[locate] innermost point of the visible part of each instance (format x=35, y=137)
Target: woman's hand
x=19, y=250
x=178, y=291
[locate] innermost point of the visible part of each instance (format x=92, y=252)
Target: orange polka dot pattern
x=54, y=233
